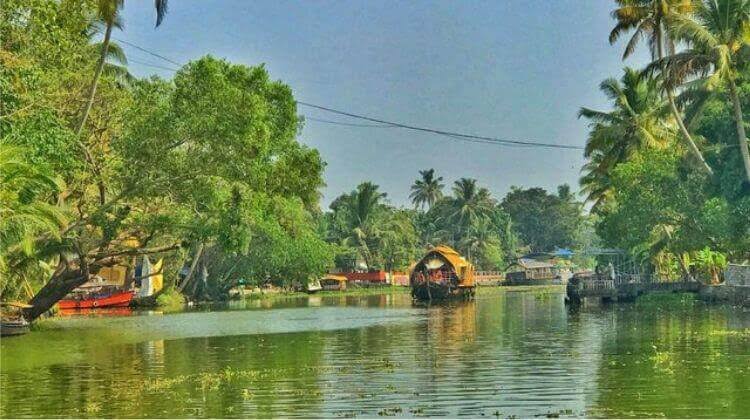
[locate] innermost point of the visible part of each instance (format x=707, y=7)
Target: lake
x=505, y=354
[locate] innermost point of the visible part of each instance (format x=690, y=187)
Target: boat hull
x=428, y=291
x=118, y=299
x=9, y=328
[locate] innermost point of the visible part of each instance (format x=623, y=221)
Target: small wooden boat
x=313, y=287
x=12, y=321
x=87, y=301
x=442, y=273
x=16, y=326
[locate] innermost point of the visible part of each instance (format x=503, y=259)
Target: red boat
x=117, y=299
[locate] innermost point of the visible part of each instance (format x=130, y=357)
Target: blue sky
x=515, y=69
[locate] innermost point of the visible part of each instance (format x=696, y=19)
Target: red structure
x=368, y=277
x=117, y=299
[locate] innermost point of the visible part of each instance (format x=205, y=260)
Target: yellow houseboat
x=442, y=273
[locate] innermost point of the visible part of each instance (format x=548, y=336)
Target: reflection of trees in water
x=177, y=378
x=675, y=359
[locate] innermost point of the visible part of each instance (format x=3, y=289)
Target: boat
x=12, y=321
x=16, y=326
x=105, y=299
x=333, y=282
x=441, y=274
x=313, y=287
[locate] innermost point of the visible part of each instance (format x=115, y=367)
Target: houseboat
x=530, y=272
x=442, y=273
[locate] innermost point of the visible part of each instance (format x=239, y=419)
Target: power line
x=148, y=52
x=346, y=124
x=384, y=123
x=143, y=63
x=441, y=132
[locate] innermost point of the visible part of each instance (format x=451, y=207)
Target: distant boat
x=119, y=298
x=313, y=287
x=442, y=273
x=12, y=321
x=333, y=282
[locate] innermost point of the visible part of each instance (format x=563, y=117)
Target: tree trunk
x=688, y=138
x=95, y=82
x=741, y=137
x=60, y=285
x=673, y=106
x=193, y=265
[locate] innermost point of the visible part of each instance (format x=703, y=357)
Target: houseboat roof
x=453, y=257
x=527, y=263
x=333, y=277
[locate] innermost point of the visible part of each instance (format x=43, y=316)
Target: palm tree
x=25, y=214
x=470, y=202
x=108, y=12
x=636, y=122
x=648, y=19
x=716, y=35
x=479, y=237
x=427, y=190
x=358, y=211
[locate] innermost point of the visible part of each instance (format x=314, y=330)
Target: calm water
x=506, y=354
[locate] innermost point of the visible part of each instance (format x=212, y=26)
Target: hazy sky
x=509, y=69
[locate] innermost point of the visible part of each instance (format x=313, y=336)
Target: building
x=528, y=271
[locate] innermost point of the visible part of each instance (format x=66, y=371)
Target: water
x=506, y=354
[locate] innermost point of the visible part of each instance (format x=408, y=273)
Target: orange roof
x=453, y=257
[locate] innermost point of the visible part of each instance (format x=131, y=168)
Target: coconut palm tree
x=469, y=203
x=480, y=237
x=649, y=19
x=358, y=213
x=635, y=122
x=25, y=214
x=426, y=190
x=716, y=35
x=108, y=13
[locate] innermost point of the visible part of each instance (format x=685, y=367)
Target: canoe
x=116, y=299
x=10, y=327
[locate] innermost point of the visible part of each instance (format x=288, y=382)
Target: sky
x=510, y=69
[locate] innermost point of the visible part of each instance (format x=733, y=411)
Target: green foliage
x=208, y=157
x=542, y=220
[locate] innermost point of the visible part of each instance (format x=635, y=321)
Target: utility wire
x=346, y=124
x=384, y=123
x=441, y=132
x=148, y=52
x=143, y=63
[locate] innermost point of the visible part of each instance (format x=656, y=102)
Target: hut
x=333, y=282
x=528, y=271
x=441, y=273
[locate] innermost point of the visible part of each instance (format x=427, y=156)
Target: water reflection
x=504, y=354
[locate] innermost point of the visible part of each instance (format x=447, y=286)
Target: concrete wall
x=735, y=295
x=737, y=275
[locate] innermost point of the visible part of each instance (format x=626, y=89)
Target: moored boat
x=118, y=298
x=442, y=273
x=16, y=326
x=12, y=321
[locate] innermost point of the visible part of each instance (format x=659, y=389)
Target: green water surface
x=518, y=354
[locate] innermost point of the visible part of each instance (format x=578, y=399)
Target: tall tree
x=716, y=35
x=635, y=122
x=542, y=220
x=648, y=19
x=427, y=190
x=470, y=202
x=108, y=12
